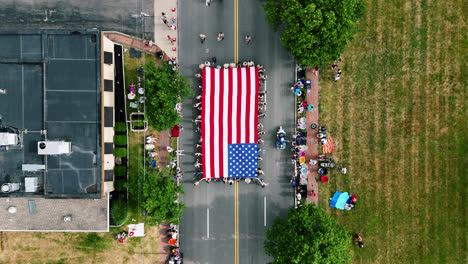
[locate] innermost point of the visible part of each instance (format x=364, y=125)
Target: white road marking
x=265, y=97
x=264, y=210
x=208, y=222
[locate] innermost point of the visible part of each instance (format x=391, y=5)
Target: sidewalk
x=312, y=142
x=133, y=42
x=162, y=31
x=164, y=247
x=164, y=141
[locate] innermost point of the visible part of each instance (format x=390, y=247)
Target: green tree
x=308, y=235
x=315, y=32
x=160, y=197
x=164, y=89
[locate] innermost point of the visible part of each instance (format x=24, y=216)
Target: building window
x=108, y=85
x=108, y=116
x=108, y=58
x=108, y=175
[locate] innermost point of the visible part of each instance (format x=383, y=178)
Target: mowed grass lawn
x=398, y=117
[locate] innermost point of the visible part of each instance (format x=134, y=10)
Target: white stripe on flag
x=225, y=122
x=206, y=122
x=234, y=106
x=243, y=105
x=252, y=105
x=215, y=128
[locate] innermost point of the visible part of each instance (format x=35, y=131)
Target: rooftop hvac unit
x=53, y=147
x=8, y=139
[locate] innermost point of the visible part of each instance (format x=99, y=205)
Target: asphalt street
x=119, y=15
x=208, y=223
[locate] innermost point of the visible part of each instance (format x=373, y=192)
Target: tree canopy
x=315, y=32
x=308, y=235
x=160, y=197
x=164, y=89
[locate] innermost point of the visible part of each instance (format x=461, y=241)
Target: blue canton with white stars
x=242, y=160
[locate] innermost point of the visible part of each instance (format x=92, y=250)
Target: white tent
x=137, y=230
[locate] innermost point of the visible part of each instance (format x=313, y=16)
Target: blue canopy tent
x=339, y=200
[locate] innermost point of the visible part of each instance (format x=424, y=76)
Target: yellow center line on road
x=236, y=31
x=236, y=229
x=236, y=184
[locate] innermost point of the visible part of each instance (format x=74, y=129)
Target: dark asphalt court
x=52, y=80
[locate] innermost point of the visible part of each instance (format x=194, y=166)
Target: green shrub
x=120, y=152
x=120, y=185
x=120, y=140
x=120, y=127
x=119, y=211
x=120, y=171
x=138, y=124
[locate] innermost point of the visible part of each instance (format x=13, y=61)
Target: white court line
x=74, y=91
x=264, y=210
x=208, y=222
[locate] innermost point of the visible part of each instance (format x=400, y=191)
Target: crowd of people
x=214, y=60
x=198, y=121
x=302, y=166
x=338, y=70
x=247, y=38
x=175, y=256
x=299, y=178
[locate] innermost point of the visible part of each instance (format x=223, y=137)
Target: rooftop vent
x=53, y=147
x=12, y=209
x=8, y=139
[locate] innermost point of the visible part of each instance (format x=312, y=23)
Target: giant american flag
x=229, y=122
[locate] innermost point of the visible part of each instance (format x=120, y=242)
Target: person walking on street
x=164, y=18
x=220, y=36
x=247, y=39
x=202, y=38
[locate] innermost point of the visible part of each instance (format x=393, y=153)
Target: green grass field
x=398, y=118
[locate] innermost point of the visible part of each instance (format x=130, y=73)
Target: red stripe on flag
x=239, y=105
x=229, y=101
x=220, y=121
x=256, y=106
x=247, y=108
x=212, y=103
x=203, y=118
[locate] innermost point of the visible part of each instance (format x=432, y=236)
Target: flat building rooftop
x=50, y=101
